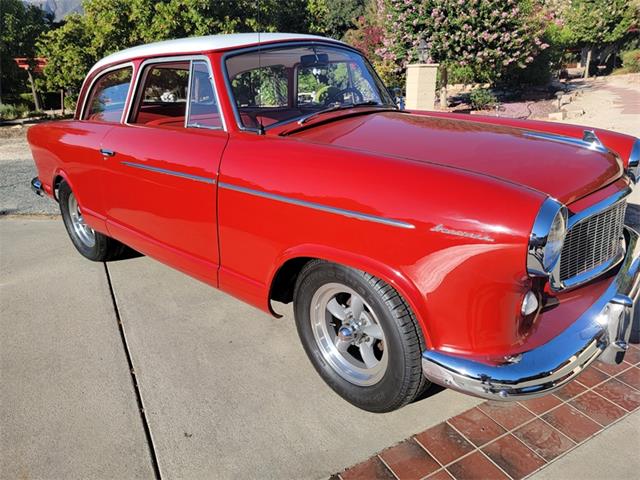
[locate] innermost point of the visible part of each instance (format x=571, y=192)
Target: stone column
x=421, y=86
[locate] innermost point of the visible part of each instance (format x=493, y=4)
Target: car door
x=160, y=185
x=80, y=140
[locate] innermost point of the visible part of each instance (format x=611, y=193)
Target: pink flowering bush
x=491, y=37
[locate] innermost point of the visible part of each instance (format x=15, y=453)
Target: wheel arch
x=290, y=264
x=58, y=176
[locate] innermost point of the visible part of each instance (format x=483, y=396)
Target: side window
x=108, y=96
x=161, y=99
x=203, y=104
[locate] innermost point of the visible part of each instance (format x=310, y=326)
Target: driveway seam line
x=143, y=415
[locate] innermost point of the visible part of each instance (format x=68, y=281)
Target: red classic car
x=488, y=255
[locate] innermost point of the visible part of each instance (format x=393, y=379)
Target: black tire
x=103, y=248
x=402, y=381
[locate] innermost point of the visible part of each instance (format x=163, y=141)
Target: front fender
x=626, y=146
x=394, y=277
x=455, y=246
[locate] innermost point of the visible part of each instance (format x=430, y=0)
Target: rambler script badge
x=459, y=233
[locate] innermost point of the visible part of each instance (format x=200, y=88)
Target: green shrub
x=631, y=61
x=35, y=114
x=7, y=112
x=482, y=99
x=11, y=112
x=22, y=110
x=70, y=102
x=461, y=74
x=26, y=97
x=465, y=75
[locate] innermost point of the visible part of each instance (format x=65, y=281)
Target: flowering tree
x=368, y=34
x=491, y=36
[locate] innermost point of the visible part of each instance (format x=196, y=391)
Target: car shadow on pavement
x=433, y=390
x=127, y=254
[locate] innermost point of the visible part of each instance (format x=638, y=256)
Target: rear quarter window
x=108, y=96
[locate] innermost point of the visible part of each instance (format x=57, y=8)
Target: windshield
x=282, y=84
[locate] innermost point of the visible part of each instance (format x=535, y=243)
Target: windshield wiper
x=342, y=106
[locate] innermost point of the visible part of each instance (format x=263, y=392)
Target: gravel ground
x=16, y=165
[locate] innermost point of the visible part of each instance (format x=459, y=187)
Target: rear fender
x=92, y=218
x=59, y=172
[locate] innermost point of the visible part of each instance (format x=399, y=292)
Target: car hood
x=562, y=170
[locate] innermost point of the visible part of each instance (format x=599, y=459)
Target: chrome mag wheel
x=83, y=232
x=348, y=334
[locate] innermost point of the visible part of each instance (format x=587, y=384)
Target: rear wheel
x=91, y=244
x=360, y=335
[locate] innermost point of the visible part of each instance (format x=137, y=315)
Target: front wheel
x=360, y=335
x=91, y=244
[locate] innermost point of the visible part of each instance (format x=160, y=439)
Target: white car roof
x=201, y=44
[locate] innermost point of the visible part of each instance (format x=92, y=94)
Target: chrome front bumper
x=601, y=332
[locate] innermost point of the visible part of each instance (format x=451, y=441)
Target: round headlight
x=547, y=238
x=555, y=241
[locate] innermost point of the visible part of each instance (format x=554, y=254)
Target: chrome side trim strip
x=318, y=206
x=197, y=178
x=576, y=142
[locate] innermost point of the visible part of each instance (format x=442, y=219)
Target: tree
x=334, y=18
x=600, y=22
x=181, y=18
x=368, y=31
x=67, y=53
x=20, y=27
x=111, y=25
x=368, y=35
x=488, y=36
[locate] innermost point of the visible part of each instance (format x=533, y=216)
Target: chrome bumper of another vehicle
x=36, y=186
x=601, y=332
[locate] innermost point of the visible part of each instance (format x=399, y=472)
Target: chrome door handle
x=107, y=153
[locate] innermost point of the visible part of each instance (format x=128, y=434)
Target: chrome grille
x=592, y=241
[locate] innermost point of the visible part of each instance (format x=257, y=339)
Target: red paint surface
x=497, y=151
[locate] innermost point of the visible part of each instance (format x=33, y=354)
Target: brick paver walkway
x=627, y=99
x=498, y=440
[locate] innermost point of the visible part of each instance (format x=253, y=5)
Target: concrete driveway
x=227, y=390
